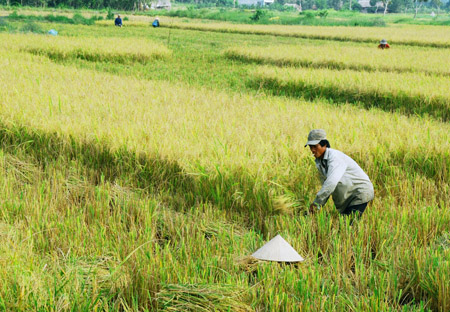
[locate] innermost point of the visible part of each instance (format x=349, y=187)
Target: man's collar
x=325, y=155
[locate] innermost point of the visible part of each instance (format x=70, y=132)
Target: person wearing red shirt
x=383, y=44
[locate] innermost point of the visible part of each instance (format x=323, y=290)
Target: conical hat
x=277, y=249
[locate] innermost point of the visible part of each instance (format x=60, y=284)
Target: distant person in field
x=118, y=21
x=383, y=45
x=341, y=178
x=156, y=22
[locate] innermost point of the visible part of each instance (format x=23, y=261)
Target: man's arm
x=336, y=169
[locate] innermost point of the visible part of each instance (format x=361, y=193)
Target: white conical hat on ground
x=277, y=249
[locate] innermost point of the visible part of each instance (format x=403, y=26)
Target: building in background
x=161, y=5
x=296, y=6
x=255, y=2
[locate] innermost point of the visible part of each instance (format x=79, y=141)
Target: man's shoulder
x=335, y=154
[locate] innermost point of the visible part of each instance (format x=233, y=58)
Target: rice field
x=358, y=57
x=408, y=93
x=92, y=49
x=141, y=179
x=414, y=35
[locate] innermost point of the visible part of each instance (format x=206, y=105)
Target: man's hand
x=313, y=208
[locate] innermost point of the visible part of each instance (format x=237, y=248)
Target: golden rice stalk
x=284, y=204
x=248, y=264
x=201, y=298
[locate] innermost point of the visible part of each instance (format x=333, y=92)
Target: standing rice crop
x=135, y=194
x=113, y=50
x=340, y=56
x=428, y=36
x=404, y=92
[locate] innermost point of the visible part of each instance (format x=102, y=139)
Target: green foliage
x=13, y=15
x=5, y=26
x=110, y=15
x=61, y=19
x=32, y=27
x=309, y=15
x=409, y=20
x=79, y=19
x=356, y=6
x=323, y=14
x=310, y=19
x=259, y=14
x=396, y=6
x=376, y=22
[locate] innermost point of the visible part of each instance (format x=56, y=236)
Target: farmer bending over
x=156, y=22
x=341, y=177
x=383, y=45
x=118, y=21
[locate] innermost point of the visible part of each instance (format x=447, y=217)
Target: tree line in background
x=77, y=4
x=391, y=6
x=399, y=6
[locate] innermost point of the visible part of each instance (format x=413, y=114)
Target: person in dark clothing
x=155, y=22
x=118, y=21
x=383, y=45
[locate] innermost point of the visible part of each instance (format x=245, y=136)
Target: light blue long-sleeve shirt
x=343, y=179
